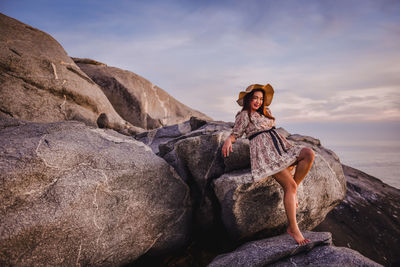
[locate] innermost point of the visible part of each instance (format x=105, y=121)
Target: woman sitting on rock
x=270, y=153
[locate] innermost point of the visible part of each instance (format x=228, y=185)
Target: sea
x=373, y=148
x=380, y=161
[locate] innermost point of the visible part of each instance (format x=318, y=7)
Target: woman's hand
x=227, y=146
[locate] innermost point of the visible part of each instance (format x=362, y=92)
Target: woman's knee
x=291, y=187
x=308, y=154
x=285, y=179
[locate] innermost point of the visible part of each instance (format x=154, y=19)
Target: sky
x=334, y=65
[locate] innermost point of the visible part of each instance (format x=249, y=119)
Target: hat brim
x=268, y=93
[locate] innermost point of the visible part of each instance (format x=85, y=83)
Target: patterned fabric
x=265, y=159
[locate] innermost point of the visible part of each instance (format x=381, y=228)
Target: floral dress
x=268, y=153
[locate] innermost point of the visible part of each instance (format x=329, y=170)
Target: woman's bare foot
x=298, y=237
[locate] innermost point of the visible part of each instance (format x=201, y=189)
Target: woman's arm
x=241, y=122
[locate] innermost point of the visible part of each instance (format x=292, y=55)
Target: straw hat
x=268, y=93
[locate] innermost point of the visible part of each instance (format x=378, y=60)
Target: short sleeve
x=241, y=122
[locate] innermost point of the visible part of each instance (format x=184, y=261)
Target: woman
x=270, y=153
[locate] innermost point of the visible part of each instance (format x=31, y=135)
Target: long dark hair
x=247, y=100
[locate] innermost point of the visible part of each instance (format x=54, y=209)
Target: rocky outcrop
x=110, y=200
x=73, y=194
x=136, y=99
x=39, y=82
x=368, y=219
x=77, y=195
x=247, y=208
x=282, y=251
x=256, y=207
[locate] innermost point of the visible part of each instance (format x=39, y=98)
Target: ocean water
x=380, y=161
x=371, y=147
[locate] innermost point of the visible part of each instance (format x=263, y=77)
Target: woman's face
x=256, y=101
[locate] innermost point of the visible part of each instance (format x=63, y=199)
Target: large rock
x=73, y=194
x=252, y=207
x=39, y=82
x=368, y=219
x=136, y=99
x=282, y=251
x=195, y=153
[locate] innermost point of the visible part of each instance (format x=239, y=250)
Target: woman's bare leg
x=290, y=168
x=284, y=178
x=305, y=161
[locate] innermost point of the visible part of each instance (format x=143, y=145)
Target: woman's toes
x=304, y=241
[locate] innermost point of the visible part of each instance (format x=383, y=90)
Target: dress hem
x=270, y=174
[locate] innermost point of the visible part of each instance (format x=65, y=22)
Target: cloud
x=367, y=104
x=327, y=60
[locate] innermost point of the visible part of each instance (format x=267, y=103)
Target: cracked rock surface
x=72, y=194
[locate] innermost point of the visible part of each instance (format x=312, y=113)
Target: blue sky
x=334, y=64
